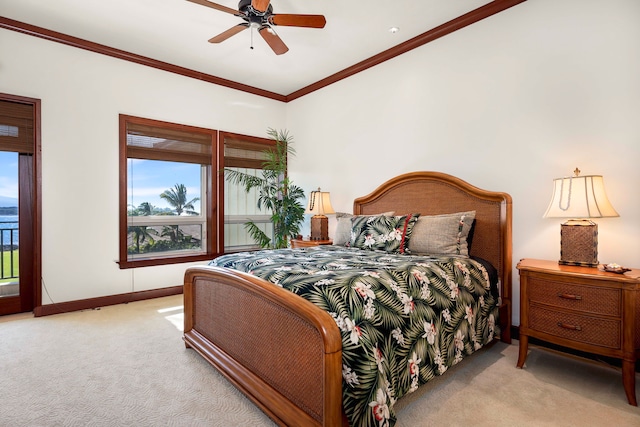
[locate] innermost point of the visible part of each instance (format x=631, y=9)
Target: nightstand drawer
x=582, y=329
x=587, y=299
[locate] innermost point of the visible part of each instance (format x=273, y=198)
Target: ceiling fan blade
x=272, y=39
x=230, y=32
x=260, y=5
x=215, y=6
x=309, y=21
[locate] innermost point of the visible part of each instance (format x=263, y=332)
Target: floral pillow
x=385, y=233
x=343, y=229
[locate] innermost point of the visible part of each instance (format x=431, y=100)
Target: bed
x=285, y=353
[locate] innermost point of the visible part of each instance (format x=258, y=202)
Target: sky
x=8, y=179
x=150, y=179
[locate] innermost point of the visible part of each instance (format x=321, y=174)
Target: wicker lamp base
x=579, y=243
x=319, y=227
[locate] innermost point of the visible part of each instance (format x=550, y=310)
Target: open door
x=19, y=204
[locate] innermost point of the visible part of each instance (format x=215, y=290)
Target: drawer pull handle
x=572, y=327
x=570, y=296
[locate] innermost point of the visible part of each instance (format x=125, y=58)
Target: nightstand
x=305, y=243
x=583, y=308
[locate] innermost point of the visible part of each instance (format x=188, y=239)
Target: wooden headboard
x=433, y=193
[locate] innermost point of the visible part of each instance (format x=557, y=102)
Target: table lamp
x=579, y=198
x=319, y=206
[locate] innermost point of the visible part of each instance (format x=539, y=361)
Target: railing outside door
x=8, y=251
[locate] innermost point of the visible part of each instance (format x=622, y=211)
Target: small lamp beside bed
x=579, y=198
x=319, y=205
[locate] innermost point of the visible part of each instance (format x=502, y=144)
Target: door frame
x=30, y=296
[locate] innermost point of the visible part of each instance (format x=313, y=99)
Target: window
x=175, y=205
x=168, y=194
x=247, y=154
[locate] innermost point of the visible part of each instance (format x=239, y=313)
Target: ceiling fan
x=259, y=14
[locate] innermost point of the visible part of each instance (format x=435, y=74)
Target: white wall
x=507, y=104
x=82, y=95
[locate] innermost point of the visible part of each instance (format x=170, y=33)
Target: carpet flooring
x=126, y=365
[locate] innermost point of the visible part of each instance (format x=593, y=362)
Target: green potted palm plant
x=276, y=194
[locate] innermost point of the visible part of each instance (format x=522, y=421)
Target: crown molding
x=68, y=40
x=456, y=24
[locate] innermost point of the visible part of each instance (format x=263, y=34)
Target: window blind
x=155, y=142
x=245, y=152
x=16, y=127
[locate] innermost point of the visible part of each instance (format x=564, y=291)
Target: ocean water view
x=8, y=222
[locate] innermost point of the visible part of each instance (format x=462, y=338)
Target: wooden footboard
x=282, y=351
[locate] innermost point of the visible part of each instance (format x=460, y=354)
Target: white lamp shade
x=319, y=203
x=579, y=197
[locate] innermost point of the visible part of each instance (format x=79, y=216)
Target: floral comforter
x=404, y=318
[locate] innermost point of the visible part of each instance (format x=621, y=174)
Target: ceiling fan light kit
x=258, y=14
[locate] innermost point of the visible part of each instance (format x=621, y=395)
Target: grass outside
x=6, y=265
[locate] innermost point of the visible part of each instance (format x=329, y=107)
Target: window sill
x=149, y=262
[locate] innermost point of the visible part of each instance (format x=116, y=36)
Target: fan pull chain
x=251, y=47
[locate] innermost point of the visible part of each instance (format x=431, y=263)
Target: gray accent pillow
x=446, y=234
x=343, y=230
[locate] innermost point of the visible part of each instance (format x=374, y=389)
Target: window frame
x=214, y=220
x=252, y=140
